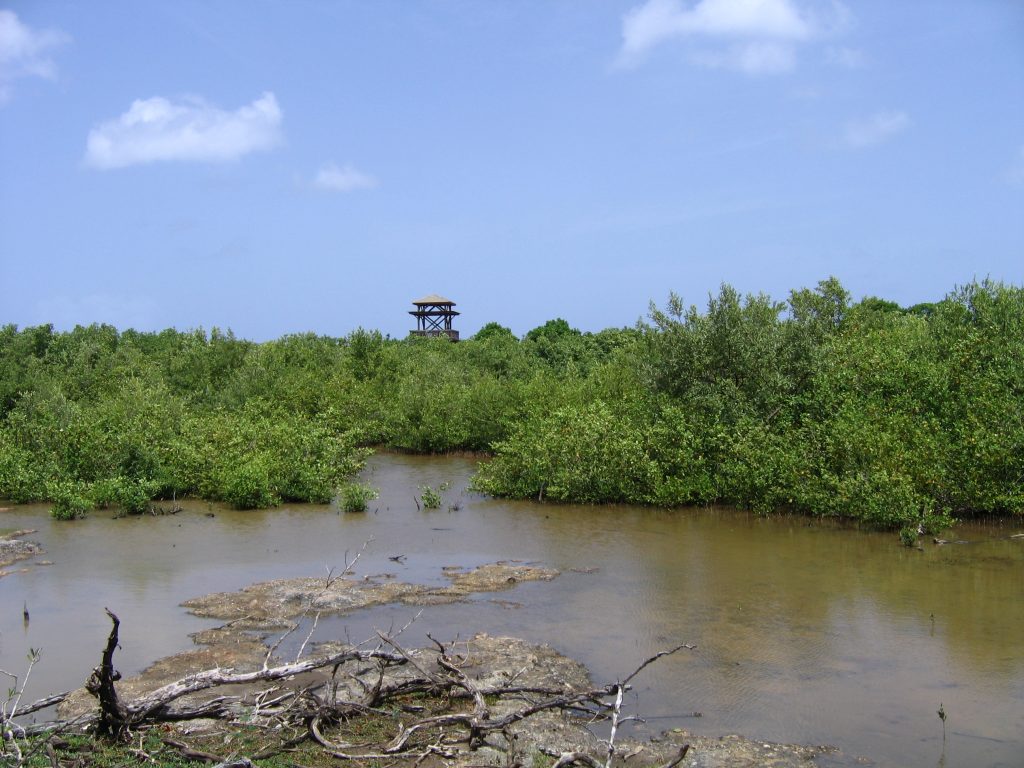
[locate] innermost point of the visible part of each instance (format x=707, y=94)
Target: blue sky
x=280, y=167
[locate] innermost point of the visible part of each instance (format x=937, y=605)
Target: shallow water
x=804, y=632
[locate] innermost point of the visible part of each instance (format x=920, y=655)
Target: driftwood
x=49, y=701
x=308, y=713
x=113, y=718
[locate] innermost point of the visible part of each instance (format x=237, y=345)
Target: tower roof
x=433, y=298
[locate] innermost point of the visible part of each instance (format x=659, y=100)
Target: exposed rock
x=14, y=548
x=272, y=604
x=495, y=577
x=490, y=662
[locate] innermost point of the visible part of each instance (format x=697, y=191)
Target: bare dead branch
x=190, y=753
x=657, y=656
x=312, y=711
x=146, y=705
x=680, y=756
x=277, y=643
x=312, y=629
x=350, y=565
x=408, y=657
x=49, y=701
x=616, y=709
x=463, y=681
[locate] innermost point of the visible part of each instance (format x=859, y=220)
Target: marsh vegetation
x=896, y=417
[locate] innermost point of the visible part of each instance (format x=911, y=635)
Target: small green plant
x=936, y=522
x=908, y=535
x=131, y=495
x=355, y=496
x=70, y=501
x=248, y=486
x=431, y=499
x=104, y=492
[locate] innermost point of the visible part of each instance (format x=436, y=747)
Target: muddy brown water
x=804, y=632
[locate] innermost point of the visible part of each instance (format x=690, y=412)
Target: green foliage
x=260, y=456
x=898, y=418
x=70, y=500
x=22, y=478
x=559, y=346
x=579, y=453
x=894, y=418
x=494, y=331
x=925, y=309
x=553, y=331
x=131, y=495
x=875, y=304
x=430, y=498
x=355, y=497
x=248, y=485
x=127, y=437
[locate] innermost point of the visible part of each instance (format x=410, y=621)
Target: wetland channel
x=805, y=632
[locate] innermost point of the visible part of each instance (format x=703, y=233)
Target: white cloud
x=876, y=129
x=752, y=36
x=24, y=52
x=751, y=58
x=346, y=179
x=156, y=129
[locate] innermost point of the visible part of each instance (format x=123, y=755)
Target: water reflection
x=803, y=632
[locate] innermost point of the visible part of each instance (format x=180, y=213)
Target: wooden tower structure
x=434, y=315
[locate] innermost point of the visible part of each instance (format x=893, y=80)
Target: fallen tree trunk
x=49, y=701
x=116, y=717
x=154, y=705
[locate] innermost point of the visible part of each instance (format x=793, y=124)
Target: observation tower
x=434, y=315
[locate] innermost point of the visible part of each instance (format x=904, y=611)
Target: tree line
x=897, y=417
